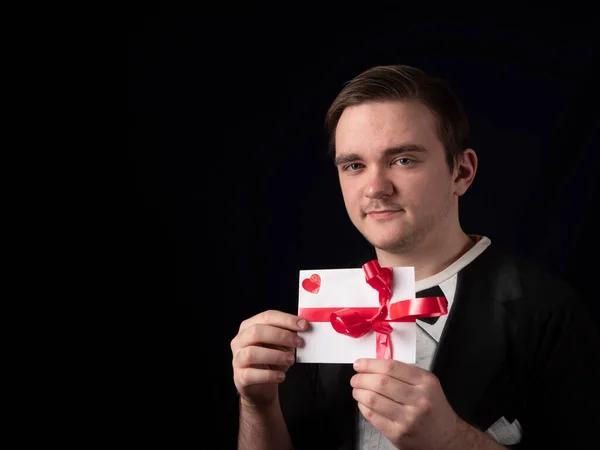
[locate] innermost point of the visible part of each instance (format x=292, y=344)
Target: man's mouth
x=382, y=213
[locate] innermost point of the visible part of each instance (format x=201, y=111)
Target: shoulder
x=539, y=303
x=512, y=276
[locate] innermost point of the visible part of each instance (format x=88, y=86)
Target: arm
x=262, y=428
x=263, y=351
x=470, y=438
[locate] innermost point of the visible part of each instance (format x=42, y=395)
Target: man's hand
x=408, y=406
x=263, y=351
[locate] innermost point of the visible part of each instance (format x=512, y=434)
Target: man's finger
x=277, y=319
x=260, y=334
x=383, y=424
x=396, y=369
x=251, y=376
x=385, y=385
x=379, y=404
x=253, y=355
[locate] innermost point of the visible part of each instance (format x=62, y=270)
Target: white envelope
x=347, y=288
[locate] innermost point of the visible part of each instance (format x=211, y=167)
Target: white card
x=347, y=288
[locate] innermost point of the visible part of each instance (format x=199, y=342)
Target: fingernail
x=297, y=340
x=290, y=358
x=301, y=323
x=357, y=364
x=280, y=376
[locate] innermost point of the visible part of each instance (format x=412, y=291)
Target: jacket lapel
x=474, y=338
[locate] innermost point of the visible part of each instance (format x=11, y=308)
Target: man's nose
x=378, y=185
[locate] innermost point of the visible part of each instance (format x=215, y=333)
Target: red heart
x=312, y=284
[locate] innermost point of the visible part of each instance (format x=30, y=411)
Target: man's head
x=400, y=143
x=403, y=83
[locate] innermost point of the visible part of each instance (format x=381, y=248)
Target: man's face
x=396, y=184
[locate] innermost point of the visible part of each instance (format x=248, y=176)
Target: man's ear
x=464, y=171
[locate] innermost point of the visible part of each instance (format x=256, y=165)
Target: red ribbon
x=357, y=322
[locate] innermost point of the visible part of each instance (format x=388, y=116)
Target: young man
x=514, y=363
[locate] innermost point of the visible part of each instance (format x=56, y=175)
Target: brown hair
x=401, y=82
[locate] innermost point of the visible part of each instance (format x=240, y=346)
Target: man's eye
x=403, y=161
x=354, y=166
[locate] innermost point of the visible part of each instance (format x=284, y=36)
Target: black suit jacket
x=517, y=343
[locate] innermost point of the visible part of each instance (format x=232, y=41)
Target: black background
x=232, y=192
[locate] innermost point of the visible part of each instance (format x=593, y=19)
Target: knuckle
x=245, y=324
x=234, y=344
x=388, y=367
x=254, y=333
x=424, y=405
x=382, y=381
x=244, y=375
x=367, y=412
x=370, y=400
x=235, y=361
x=429, y=380
x=410, y=419
x=280, y=335
x=401, y=430
x=268, y=315
x=244, y=356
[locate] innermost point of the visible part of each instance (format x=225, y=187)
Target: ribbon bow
x=356, y=322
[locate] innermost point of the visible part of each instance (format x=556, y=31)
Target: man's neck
x=429, y=258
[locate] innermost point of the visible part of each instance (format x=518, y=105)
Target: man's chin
x=391, y=245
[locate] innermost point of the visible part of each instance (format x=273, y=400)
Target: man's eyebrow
x=391, y=151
